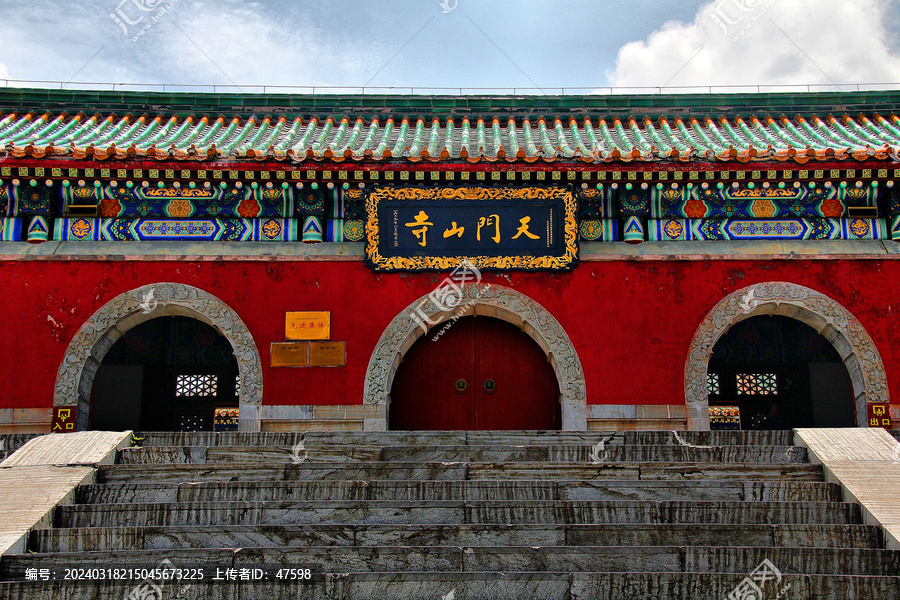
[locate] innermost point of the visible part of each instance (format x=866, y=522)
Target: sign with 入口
x=63, y=419
x=411, y=228
x=307, y=325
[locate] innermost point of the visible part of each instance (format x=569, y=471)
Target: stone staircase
x=10, y=442
x=465, y=515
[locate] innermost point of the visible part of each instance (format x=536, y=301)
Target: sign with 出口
x=307, y=325
x=411, y=228
x=879, y=415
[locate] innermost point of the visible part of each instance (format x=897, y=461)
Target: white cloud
x=219, y=43
x=738, y=42
x=192, y=42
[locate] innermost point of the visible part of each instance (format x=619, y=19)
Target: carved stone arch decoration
x=825, y=315
x=75, y=377
x=481, y=300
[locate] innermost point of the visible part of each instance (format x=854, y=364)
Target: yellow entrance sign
x=308, y=325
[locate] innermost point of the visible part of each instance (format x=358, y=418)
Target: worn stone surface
x=80, y=448
x=483, y=586
x=486, y=489
x=247, y=536
x=486, y=515
x=10, y=442
x=43, y=473
x=866, y=462
x=454, y=511
x=28, y=495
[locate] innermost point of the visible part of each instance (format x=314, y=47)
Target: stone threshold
x=369, y=417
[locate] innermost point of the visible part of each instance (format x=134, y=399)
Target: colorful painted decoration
x=38, y=229
x=757, y=202
x=634, y=201
x=311, y=201
x=598, y=230
x=758, y=229
x=10, y=230
x=354, y=203
x=312, y=229
x=593, y=203
x=30, y=198
x=334, y=230
x=232, y=230
x=633, y=231
x=354, y=230
x=214, y=201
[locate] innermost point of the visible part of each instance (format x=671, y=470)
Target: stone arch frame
x=480, y=300
x=75, y=377
x=828, y=317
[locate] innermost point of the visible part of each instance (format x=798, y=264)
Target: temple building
x=288, y=263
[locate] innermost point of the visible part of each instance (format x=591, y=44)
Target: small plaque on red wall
x=327, y=354
x=63, y=419
x=879, y=415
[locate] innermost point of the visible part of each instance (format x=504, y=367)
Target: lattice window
x=196, y=385
x=712, y=384
x=757, y=384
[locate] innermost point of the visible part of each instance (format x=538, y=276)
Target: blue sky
x=453, y=43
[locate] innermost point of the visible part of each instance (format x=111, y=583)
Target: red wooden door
x=481, y=373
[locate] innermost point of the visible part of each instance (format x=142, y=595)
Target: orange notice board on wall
x=307, y=325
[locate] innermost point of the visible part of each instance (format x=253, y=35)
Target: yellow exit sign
x=308, y=325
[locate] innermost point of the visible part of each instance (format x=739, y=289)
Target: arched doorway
x=167, y=374
x=486, y=300
x=775, y=372
x=826, y=316
x=75, y=376
x=479, y=373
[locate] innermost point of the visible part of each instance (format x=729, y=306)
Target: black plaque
x=491, y=227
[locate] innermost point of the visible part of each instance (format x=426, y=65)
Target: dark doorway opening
x=479, y=373
x=774, y=372
x=167, y=374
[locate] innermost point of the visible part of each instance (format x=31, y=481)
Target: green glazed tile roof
x=54, y=123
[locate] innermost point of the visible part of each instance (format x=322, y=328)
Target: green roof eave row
x=185, y=104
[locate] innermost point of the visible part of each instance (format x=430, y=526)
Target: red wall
x=630, y=321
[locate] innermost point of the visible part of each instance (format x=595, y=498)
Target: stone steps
x=453, y=512
x=479, y=586
x=463, y=438
x=10, y=442
x=247, y=491
x=468, y=515
x=583, y=453
x=106, y=539
x=606, y=559
x=454, y=471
